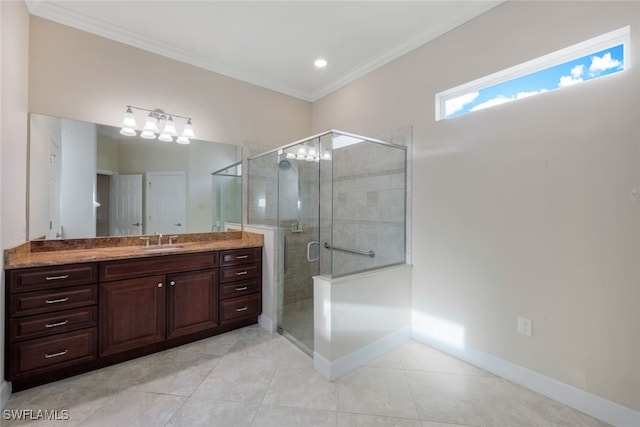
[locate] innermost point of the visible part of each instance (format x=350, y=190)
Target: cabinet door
x=132, y=314
x=192, y=302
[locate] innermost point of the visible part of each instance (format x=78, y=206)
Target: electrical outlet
x=524, y=326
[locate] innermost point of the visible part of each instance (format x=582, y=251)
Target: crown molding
x=411, y=43
x=61, y=15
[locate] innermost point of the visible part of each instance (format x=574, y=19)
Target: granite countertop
x=39, y=253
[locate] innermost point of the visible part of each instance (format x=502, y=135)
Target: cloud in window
x=603, y=63
x=574, y=77
x=501, y=99
x=454, y=105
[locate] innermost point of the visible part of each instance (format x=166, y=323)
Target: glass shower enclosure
x=337, y=201
x=226, y=196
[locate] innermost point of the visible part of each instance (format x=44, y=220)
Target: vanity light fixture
x=157, y=119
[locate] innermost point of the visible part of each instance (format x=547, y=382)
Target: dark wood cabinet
x=57, y=351
x=132, y=314
x=192, y=302
x=50, y=318
x=63, y=320
x=240, y=285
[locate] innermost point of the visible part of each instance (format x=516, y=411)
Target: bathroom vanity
x=78, y=305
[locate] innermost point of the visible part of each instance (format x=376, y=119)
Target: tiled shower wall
x=368, y=203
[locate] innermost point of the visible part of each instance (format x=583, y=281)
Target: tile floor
x=298, y=322
x=249, y=377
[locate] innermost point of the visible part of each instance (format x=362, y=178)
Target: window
x=594, y=58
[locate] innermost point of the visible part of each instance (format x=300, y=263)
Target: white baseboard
x=581, y=400
x=5, y=392
x=267, y=323
x=347, y=363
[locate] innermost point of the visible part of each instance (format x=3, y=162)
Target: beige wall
x=522, y=209
x=14, y=37
x=77, y=75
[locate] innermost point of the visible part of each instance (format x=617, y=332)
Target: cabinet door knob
x=159, y=285
x=172, y=283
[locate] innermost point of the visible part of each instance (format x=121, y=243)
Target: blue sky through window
x=588, y=67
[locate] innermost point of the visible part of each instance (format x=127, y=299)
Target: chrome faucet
x=159, y=238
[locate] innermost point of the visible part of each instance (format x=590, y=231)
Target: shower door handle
x=311, y=243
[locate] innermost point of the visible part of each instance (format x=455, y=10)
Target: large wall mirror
x=87, y=180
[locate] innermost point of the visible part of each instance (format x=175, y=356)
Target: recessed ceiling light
x=320, y=63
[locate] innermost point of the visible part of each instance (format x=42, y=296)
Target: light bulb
x=165, y=137
x=129, y=120
x=187, y=132
x=151, y=124
x=183, y=140
x=170, y=127
x=127, y=131
x=147, y=134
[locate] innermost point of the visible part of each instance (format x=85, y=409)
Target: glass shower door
x=299, y=228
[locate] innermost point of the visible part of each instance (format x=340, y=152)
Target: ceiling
x=272, y=44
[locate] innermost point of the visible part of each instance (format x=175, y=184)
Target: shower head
x=284, y=164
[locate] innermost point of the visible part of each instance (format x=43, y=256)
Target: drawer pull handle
x=64, y=276
x=242, y=257
x=172, y=283
x=53, y=325
x=55, y=301
x=62, y=353
x=241, y=273
x=244, y=288
x=245, y=308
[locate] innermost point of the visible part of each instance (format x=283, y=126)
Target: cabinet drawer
x=242, y=272
x=161, y=264
x=55, y=351
x=52, y=323
x=33, y=279
x=240, y=256
x=238, y=289
x=53, y=300
x=238, y=308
